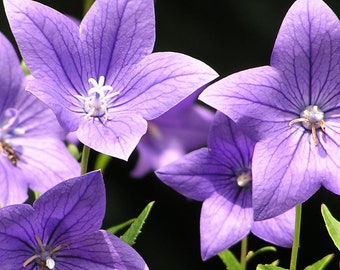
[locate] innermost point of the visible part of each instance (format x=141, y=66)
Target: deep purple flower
x=292, y=108
x=32, y=153
x=61, y=231
x=182, y=129
x=221, y=177
x=100, y=77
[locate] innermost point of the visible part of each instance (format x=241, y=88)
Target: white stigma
x=96, y=103
x=50, y=263
x=311, y=119
x=244, y=179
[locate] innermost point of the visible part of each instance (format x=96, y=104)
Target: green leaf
x=269, y=267
x=252, y=254
x=131, y=234
x=229, y=260
x=119, y=227
x=101, y=162
x=74, y=151
x=37, y=194
x=332, y=225
x=321, y=264
x=24, y=67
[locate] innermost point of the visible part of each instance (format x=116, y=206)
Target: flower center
x=44, y=256
x=244, y=178
x=9, y=130
x=311, y=119
x=96, y=103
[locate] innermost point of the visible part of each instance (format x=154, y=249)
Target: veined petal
x=98, y=250
x=252, y=98
x=278, y=230
x=226, y=218
x=307, y=52
x=118, y=137
x=16, y=235
x=53, y=51
x=287, y=170
x=73, y=208
x=160, y=81
x=116, y=34
x=11, y=75
x=194, y=175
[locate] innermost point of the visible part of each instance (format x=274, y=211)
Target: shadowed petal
x=225, y=220
x=11, y=75
x=101, y=251
x=159, y=82
x=307, y=52
x=73, y=208
x=116, y=34
x=117, y=137
x=16, y=235
x=278, y=230
x=193, y=175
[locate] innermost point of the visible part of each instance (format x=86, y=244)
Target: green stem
x=87, y=5
x=244, y=250
x=293, y=259
x=85, y=159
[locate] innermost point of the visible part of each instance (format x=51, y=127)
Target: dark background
x=229, y=35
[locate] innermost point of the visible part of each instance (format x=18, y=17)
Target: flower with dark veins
x=32, y=152
x=221, y=177
x=62, y=231
x=292, y=109
x=100, y=78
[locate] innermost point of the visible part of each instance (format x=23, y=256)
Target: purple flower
x=100, y=77
x=182, y=129
x=292, y=109
x=221, y=177
x=32, y=153
x=61, y=231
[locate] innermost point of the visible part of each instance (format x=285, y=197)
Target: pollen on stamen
x=311, y=118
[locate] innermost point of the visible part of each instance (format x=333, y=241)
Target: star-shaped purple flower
x=32, y=152
x=182, y=129
x=221, y=177
x=292, y=108
x=61, y=231
x=100, y=77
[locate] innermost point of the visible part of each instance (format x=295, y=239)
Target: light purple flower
x=221, y=177
x=61, y=231
x=182, y=129
x=32, y=153
x=292, y=108
x=100, y=77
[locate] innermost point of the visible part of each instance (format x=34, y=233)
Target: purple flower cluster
x=272, y=144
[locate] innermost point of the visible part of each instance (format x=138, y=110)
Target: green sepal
x=332, y=225
x=101, y=162
x=229, y=260
x=321, y=264
x=269, y=267
x=119, y=227
x=252, y=254
x=131, y=234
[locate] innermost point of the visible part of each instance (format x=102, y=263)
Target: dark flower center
x=244, y=178
x=96, y=103
x=44, y=256
x=311, y=119
x=8, y=131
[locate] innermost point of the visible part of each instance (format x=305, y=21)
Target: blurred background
x=229, y=35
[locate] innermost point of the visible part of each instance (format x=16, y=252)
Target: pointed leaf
x=115, y=229
x=229, y=260
x=321, y=264
x=131, y=234
x=332, y=225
